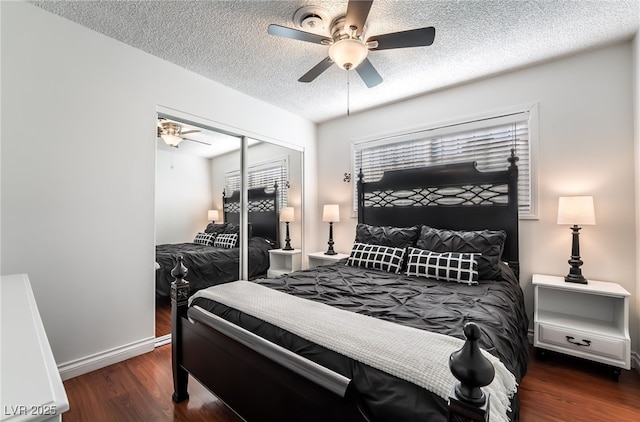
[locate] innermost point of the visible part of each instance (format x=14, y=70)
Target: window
x=486, y=141
x=263, y=175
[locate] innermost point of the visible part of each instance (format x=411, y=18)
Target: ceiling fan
x=172, y=133
x=347, y=47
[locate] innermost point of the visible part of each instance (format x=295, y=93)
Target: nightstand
x=589, y=321
x=319, y=258
x=283, y=262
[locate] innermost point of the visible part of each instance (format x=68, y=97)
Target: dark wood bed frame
x=263, y=382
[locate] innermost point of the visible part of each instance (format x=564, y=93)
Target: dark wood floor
x=563, y=388
x=139, y=389
x=163, y=316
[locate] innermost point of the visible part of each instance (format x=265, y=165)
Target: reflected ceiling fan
x=347, y=47
x=172, y=133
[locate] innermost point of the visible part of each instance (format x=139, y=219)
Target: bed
x=213, y=259
x=226, y=341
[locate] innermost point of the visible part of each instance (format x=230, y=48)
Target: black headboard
x=262, y=210
x=452, y=196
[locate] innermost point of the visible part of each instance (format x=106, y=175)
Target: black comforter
x=209, y=265
x=443, y=307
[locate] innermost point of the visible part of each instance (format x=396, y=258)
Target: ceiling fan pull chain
x=348, y=86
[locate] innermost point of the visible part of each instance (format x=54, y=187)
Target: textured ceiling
x=227, y=41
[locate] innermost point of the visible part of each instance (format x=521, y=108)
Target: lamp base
x=330, y=250
x=287, y=240
x=575, y=273
x=575, y=278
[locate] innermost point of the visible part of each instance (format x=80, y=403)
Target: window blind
x=263, y=175
x=488, y=142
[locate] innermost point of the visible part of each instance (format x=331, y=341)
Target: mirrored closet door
x=274, y=182
x=191, y=161
x=224, y=202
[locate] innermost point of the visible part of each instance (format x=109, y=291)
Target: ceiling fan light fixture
x=170, y=133
x=171, y=140
x=348, y=53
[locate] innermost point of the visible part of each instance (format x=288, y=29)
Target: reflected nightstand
x=319, y=258
x=283, y=262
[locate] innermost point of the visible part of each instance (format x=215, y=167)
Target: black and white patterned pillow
x=226, y=240
x=376, y=257
x=447, y=266
x=204, y=239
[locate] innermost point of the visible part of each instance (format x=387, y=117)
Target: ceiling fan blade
x=368, y=73
x=357, y=12
x=420, y=37
x=283, y=31
x=195, y=140
x=186, y=132
x=316, y=70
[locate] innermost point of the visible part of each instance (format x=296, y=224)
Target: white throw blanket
x=418, y=356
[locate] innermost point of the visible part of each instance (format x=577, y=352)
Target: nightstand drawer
x=584, y=342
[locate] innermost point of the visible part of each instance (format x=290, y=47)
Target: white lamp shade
x=331, y=213
x=576, y=210
x=348, y=53
x=287, y=214
x=171, y=140
x=213, y=215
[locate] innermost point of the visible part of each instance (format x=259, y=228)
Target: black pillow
x=216, y=228
x=396, y=237
x=488, y=243
x=227, y=228
x=232, y=228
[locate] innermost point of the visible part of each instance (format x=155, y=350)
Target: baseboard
x=161, y=341
x=100, y=360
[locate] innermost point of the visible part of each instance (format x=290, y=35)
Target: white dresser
x=31, y=388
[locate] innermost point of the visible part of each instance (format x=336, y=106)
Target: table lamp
x=287, y=215
x=576, y=211
x=331, y=214
x=213, y=215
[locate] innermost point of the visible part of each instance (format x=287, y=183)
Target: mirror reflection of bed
x=206, y=177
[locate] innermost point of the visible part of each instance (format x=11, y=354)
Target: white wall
x=636, y=104
x=78, y=169
x=183, y=196
x=586, y=144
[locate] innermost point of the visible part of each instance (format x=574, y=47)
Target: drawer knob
x=578, y=343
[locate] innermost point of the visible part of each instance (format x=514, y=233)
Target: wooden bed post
x=360, y=197
x=467, y=401
x=179, y=304
x=512, y=171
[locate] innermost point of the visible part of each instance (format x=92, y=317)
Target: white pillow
x=377, y=257
x=447, y=266
x=226, y=240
